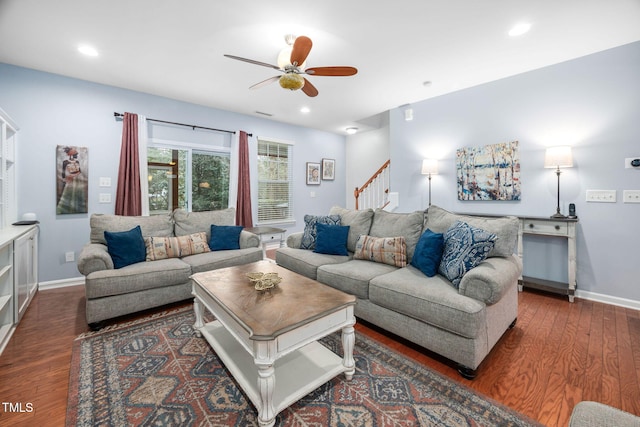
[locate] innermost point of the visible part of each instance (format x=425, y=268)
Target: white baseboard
x=607, y=299
x=55, y=284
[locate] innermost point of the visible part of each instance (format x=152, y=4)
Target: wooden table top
x=295, y=301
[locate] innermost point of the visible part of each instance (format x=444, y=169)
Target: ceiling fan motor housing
x=292, y=81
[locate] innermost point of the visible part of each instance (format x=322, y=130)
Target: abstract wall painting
x=72, y=179
x=491, y=172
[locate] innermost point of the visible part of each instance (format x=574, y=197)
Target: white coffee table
x=268, y=339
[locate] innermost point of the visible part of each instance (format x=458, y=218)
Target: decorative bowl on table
x=263, y=281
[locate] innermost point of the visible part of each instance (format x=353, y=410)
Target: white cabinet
x=6, y=293
x=25, y=250
x=8, y=137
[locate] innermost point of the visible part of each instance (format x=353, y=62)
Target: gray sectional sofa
x=112, y=292
x=462, y=324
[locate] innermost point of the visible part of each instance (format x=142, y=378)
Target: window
x=194, y=179
x=275, y=185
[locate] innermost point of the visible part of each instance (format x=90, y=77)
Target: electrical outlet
x=601, y=196
x=631, y=196
x=69, y=256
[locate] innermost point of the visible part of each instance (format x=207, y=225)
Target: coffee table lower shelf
x=296, y=374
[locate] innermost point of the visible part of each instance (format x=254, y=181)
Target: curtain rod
x=194, y=127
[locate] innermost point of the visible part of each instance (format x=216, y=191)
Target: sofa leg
x=96, y=326
x=467, y=372
x=513, y=324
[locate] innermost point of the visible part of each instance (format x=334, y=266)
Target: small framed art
x=328, y=169
x=313, y=173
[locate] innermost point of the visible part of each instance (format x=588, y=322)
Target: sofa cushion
x=353, y=276
x=306, y=262
x=428, y=253
x=125, y=247
x=332, y=239
x=137, y=277
x=359, y=222
x=505, y=228
x=195, y=222
x=465, y=247
x=224, y=237
x=430, y=299
x=175, y=247
x=310, y=231
x=221, y=259
x=390, y=224
x=156, y=225
x=387, y=250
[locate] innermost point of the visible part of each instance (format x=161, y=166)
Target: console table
x=551, y=227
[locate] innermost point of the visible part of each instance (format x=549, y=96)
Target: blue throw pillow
x=225, y=237
x=465, y=247
x=309, y=236
x=331, y=239
x=126, y=247
x=428, y=253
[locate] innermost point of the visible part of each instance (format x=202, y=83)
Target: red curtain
x=128, y=194
x=243, y=204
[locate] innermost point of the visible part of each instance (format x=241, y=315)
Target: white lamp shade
x=429, y=167
x=558, y=157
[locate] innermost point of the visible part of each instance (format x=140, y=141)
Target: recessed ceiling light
x=305, y=110
x=87, y=50
x=351, y=130
x=519, y=29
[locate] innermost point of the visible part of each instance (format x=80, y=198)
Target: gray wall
x=53, y=110
x=591, y=103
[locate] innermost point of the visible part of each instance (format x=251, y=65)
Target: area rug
x=154, y=371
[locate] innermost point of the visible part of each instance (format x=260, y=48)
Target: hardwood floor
x=557, y=355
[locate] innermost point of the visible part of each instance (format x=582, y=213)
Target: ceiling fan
x=293, y=67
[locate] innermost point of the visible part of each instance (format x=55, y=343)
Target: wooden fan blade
x=331, y=71
x=309, y=89
x=251, y=61
x=265, y=82
x=301, y=49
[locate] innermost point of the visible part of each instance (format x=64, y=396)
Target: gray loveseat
x=112, y=292
x=461, y=324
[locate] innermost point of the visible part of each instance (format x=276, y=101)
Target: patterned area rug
x=154, y=371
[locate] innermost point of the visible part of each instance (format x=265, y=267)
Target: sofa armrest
x=491, y=279
x=94, y=257
x=294, y=240
x=249, y=240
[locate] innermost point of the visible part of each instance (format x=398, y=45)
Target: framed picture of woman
x=313, y=173
x=328, y=169
x=72, y=180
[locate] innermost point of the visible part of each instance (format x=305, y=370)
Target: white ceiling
x=175, y=48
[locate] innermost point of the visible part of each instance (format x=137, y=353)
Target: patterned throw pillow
x=465, y=247
x=310, y=233
x=175, y=247
x=387, y=250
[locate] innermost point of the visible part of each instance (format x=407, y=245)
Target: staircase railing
x=375, y=192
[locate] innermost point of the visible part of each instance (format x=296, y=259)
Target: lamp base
x=558, y=216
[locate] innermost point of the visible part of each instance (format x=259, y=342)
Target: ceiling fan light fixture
x=291, y=81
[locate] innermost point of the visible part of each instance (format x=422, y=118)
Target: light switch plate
x=105, y=181
x=105, y=197
x=601, y=196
